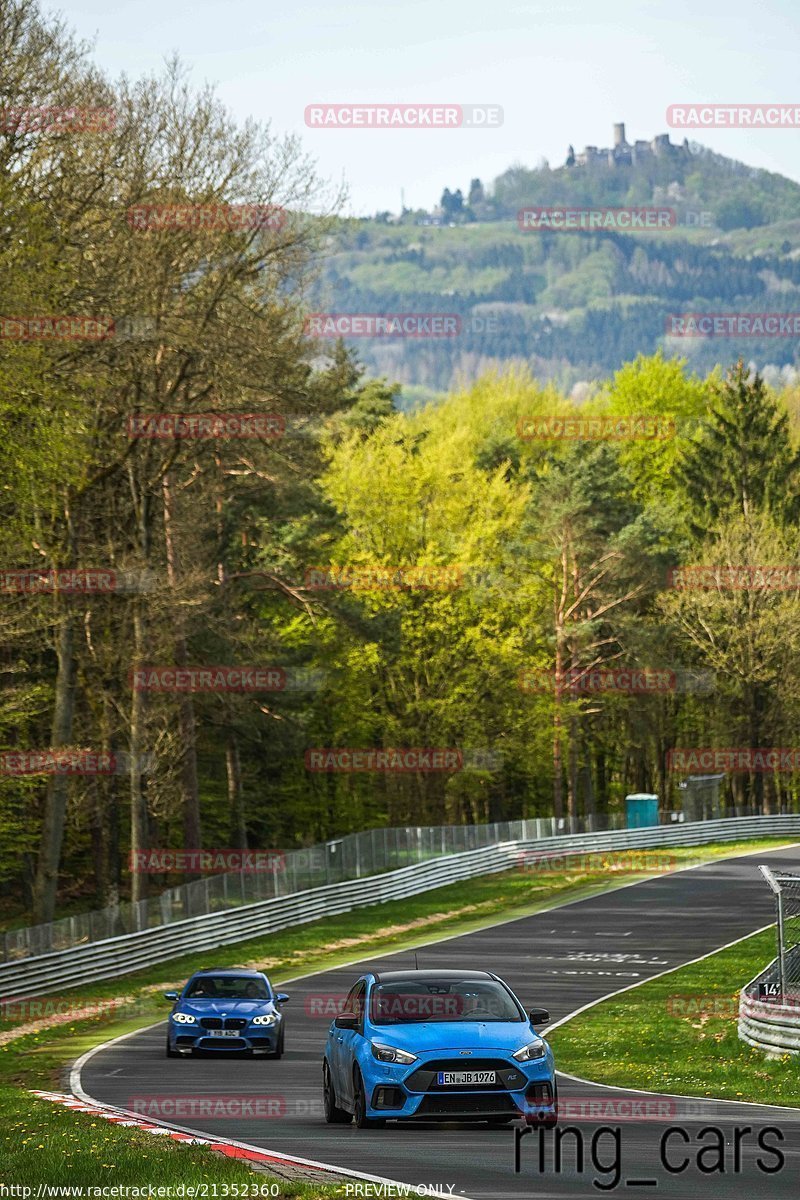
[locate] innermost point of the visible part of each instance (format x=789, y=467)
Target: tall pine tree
x=744, y=462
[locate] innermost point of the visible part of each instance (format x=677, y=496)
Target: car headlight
x=266, y=1019
x=392, y=1054
x=184, y=1018
x=530, y=1052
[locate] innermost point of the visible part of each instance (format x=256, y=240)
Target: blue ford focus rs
x=226, y=1010
x=437, y=1045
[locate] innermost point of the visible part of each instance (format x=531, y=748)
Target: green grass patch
x=42, y=1142
x=678, y=1034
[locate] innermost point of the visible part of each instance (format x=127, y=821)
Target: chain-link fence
x=352, y=856
x=786, y=889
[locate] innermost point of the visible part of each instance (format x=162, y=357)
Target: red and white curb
x=120, y=1116
x=288, y=1166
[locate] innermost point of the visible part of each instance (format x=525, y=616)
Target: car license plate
x=224, y=1032
x=466, y=1078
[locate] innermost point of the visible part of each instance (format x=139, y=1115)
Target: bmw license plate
x=466, y=1078
x=224, y=1032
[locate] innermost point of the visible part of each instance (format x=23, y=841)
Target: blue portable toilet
x=641, y=809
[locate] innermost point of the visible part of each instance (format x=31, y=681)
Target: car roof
x=429, y=973
x=227, y=971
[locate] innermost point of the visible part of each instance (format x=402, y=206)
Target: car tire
x=333, y=1114
x=360, y=1105
x=170, y=1053
x=278, y=1051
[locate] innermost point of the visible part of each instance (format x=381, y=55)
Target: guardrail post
x=781, y=950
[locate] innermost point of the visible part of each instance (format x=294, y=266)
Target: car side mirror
x=346, y=1020
x=281, y=997
x=173, y=996
x=539, y=1016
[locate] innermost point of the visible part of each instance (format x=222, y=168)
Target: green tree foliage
x=410, y=570
x=743, y=463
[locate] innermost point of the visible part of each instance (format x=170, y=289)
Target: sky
x=562, y=73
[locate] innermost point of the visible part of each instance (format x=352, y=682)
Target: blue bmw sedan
x=226, y=1010
x=437, y=1045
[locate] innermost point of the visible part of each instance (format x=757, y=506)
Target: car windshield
x=407, y=1002
x=227, y=987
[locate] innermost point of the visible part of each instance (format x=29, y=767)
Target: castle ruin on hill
x=626, y=154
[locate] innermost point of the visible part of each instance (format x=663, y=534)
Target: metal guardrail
x=769, y=1025
x=281, y=874
x=130, y=952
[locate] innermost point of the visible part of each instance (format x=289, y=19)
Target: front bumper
x=397, y=1092
x=260, y=1039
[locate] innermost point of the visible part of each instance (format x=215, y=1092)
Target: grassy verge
x=43, y=1143
x=678, y=1034
x=40, y=1142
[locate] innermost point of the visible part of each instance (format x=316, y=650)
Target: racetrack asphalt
x=561, y=959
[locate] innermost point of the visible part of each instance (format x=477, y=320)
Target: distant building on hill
x=626, y=154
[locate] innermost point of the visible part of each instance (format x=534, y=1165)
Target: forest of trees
x=569, y=305
x=508, y=556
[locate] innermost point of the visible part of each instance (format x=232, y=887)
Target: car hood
x=230, y=1008
x=456, y=1035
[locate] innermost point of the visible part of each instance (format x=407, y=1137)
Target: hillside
x=575, y=305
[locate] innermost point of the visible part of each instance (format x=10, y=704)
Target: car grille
x=493, y=1105
x=221, y=1044
x=424, y=1079
x=226, y=1023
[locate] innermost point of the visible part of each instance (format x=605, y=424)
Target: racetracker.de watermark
x=733, y=116
x=403, y=116
x=639, y=427
x=625, y=220
x=228, y=218
x=381, y=578
x=733, y=759
x=72, y=762
x=169, y=426
x=614, y=1109
x=39, y=1008
x=357, y=760
x=207, y=679
x=56, y=328
x=750, y=577
x=74, y=581
x=631, y=861
x=732, y=325
x=200, y=862
x=382, y=325
x=699, y=1006
x=220, y=1106
x=629, y=681
x=41, y=118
